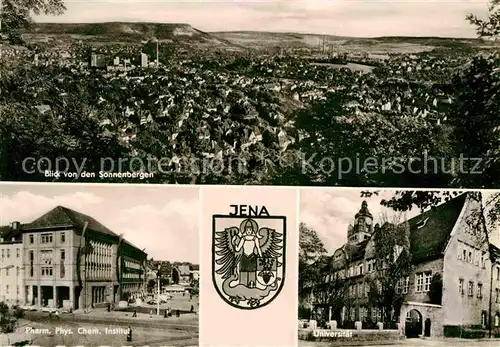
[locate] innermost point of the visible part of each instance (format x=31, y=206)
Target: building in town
x=181, y=274
x=144, y=60
x=97, y=61
x=11, y=265
x=71, y=260
x=450, y=281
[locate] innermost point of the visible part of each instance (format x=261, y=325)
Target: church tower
x=362, y=229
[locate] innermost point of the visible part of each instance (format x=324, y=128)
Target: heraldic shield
x=248, y=259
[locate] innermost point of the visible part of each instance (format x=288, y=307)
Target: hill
x=185, y=35
x=127, y=32
x=342, y=43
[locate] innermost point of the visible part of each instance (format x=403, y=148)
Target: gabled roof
x=430, y=240
x=429, y=233
x=63, y=216
x=494, y=253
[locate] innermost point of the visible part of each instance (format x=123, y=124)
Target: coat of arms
x=248, y=259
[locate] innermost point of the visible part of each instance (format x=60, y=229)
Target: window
x=498, y=273
x=7, y=289
x=419, y=282
x=8, y=252
x=405, y=283
x=32, y=258
x=360, y=290
x=423, y=282
x=361, y=269
x=461, y=286
x=18, y=271
x=427, y=283
x=497, y=295
x=46, y=271
x=32, y=238
x=63, y=254
x=46, y=238
x=17, y=290
x=18, y=252
x=480, y=290
x=464, y=258
x=367, y=289
x=63, y=237
x=7, y=272
x=471, y=288
x=369, y=266
x=483, y=265
x=470, y=257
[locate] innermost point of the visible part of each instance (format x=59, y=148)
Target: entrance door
x=427, y=328
x=413, y=324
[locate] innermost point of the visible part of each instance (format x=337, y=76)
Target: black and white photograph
x=401, y=268
x=374, y=93
x=98, y=265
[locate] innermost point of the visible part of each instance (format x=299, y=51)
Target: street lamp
x=158, y=297
x=155, y=40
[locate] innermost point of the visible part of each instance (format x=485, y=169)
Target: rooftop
x=429, y=232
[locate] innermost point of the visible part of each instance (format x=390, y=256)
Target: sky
x=359, y=18
x=163, y=220
x=330, y=211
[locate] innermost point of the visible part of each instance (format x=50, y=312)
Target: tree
x=311, y=251
x=393, y=264
x=151, y=285
x=16, y=14
x=405, y=200
x=475, y=121
x=490, y=27
x=8, y=318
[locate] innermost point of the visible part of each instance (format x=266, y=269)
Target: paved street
x=106, y=328
x=410, y=343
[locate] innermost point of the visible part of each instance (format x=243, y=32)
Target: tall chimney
x=15, y=225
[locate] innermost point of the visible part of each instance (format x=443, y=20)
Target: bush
x=466, y=333
x=18, y=312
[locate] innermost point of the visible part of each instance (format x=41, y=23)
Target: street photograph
x=372, y=93
x=94, y=265
x=402, y=268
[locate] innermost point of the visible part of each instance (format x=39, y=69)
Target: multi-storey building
x=71, y=260
x=11, y=265
x=449, y=250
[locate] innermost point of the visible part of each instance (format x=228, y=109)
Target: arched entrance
x=413, y=324
x=427, y=328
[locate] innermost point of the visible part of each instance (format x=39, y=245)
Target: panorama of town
x=244, y=107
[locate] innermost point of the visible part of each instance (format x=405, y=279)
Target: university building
x=444, y=243
x=71, y=260
x=11, y=265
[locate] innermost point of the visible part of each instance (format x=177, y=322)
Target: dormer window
x=422, y=223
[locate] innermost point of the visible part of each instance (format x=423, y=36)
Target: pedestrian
x=192, y=308
x=57, y=314
x=135, y=313
x=165, y=315
x=129, y=335
x=150, y=313
x=109, y=307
